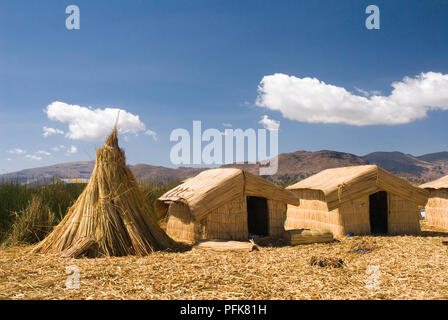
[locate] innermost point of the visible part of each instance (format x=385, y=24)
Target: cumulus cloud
x=17, y=151
x=33, y=157
x=50, y=131
x=72, y=150
x=314, y=101
x=269, y=124
x=89, y=124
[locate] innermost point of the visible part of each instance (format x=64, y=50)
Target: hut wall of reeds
x=436, y=210
x=213, y=205
x=404, y=216
x=339, y=200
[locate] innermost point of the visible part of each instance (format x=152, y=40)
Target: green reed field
x=28, y=213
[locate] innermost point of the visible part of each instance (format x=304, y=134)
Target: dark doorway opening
x=378, y=212
x=257, y=216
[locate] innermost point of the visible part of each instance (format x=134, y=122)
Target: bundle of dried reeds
x=222, y=245
x=111, y=210
x=307, y=236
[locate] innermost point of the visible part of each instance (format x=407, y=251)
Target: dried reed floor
x=409, y=268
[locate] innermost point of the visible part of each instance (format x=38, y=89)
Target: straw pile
x=307, y=236
x=111, y=210
x=410, y=267
x=221, y=245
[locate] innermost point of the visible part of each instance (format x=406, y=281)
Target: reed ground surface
x=397, y=267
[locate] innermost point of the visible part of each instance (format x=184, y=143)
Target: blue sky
x=172, y=62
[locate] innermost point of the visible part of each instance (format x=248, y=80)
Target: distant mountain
x=298, y=165
x=158, y=174
x=81, y=169
x=434, y=157
x=398, y=162
x=142, y=172
x=415, y=169
x=292, y=167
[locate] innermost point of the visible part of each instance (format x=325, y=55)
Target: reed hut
x=436, y=210
x=111, y=213
x=359, y=199
x=226, y=204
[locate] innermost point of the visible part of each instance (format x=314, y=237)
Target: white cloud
x=55, y=148
x=93, y=124
x=43, y=152
x=72, y=150
x=363, y=92
x=269, y=124
x=152, y=134
x=51, y=131
x=314, y=101
x=17, y=151
x=366, y=93
x=227, y=125
x=9, y=159
x=33, y=157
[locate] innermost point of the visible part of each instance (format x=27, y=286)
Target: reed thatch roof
x=112, y=211
x=340, y=185
x=441, y=183
x=212, y=188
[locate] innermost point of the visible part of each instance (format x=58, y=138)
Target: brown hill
x=80, y=169
x=415, y=169
x=292, y=167
x=159, y=174
x=143, y=173
x=299, y=165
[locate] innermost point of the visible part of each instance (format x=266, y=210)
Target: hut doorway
x=257, y=216
x=378, y=212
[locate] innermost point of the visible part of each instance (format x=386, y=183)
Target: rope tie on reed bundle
x=341, y=186
x=377, y=175
x=244, y=181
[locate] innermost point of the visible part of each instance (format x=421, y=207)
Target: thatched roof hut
x=111, y=213
x=436, y=210
x=359, y=199
x=227, y=204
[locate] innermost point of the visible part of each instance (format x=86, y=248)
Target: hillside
x=80, y=169
x=415, y=169
x=292, y=167
x=435, y=157
x=298, y=165
x=159, y=174
x=83, y=169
